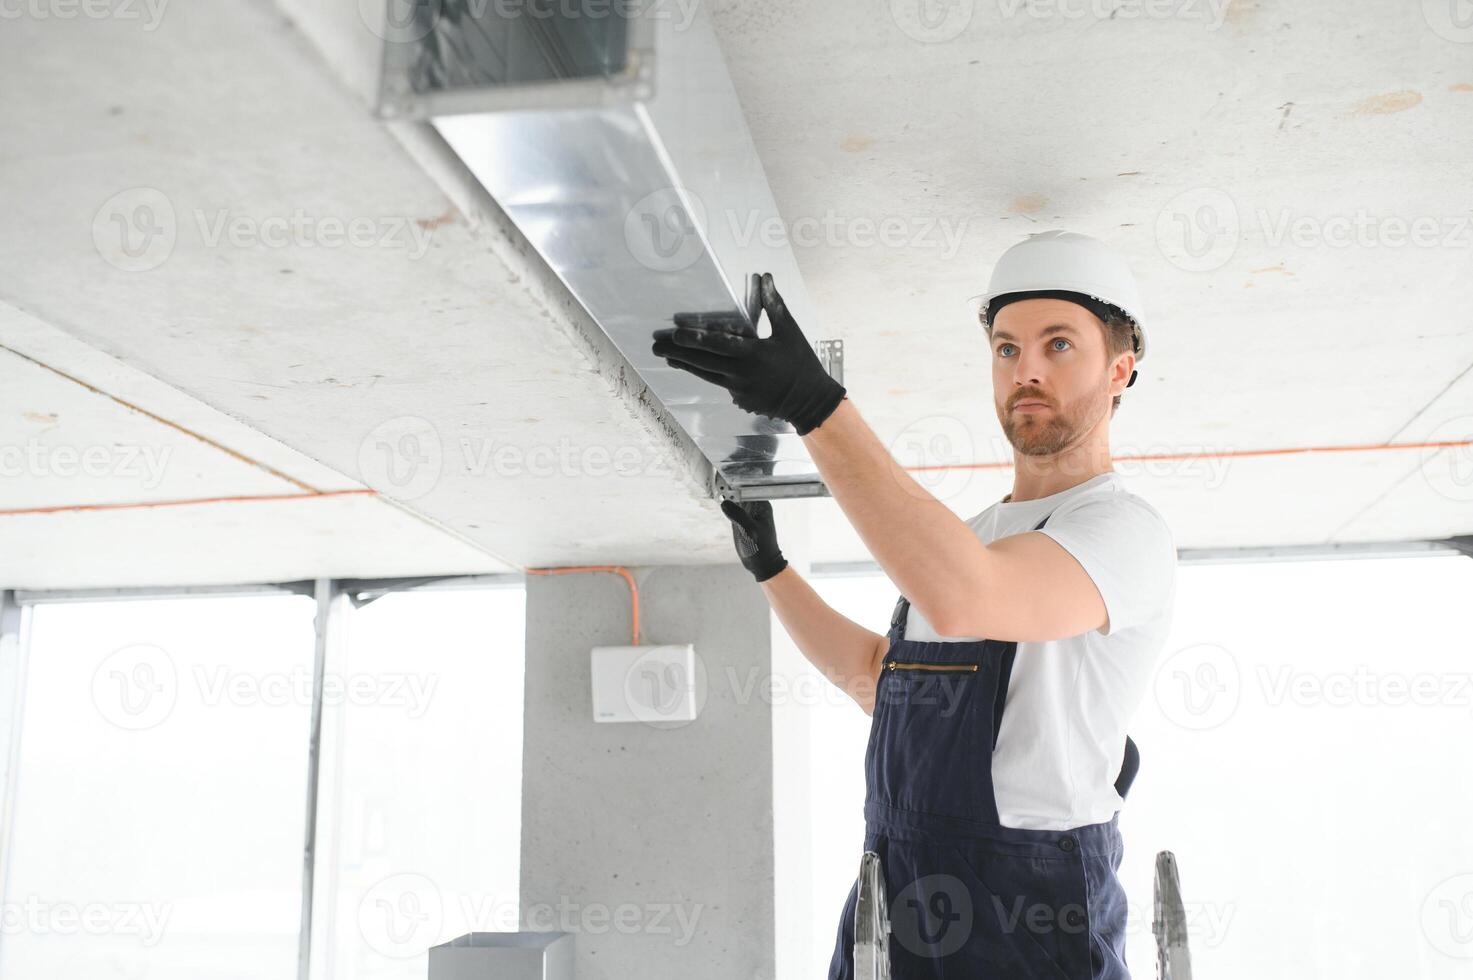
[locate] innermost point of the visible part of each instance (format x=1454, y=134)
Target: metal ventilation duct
x=610, y=133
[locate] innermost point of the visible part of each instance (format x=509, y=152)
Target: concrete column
x=655, y=845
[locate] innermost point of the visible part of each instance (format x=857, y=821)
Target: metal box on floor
x=504, y=956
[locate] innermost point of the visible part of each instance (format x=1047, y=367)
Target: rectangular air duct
x=610, y=133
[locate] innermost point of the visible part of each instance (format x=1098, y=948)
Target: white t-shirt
x=1070, y=701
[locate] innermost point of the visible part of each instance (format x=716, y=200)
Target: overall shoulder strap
x=898, y=617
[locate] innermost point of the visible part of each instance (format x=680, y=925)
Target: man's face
x=1050, y=351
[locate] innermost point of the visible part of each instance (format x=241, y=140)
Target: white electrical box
x=646, y=683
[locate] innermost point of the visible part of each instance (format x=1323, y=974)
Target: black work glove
x=756, y=537
x=780, y=377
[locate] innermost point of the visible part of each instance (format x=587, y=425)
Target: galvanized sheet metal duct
x=617, y=145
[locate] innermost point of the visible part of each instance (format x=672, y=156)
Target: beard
x=1054, y=429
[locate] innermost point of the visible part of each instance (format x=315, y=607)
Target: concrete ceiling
x=992, y=126
x=110, y=477
x=1291, y=383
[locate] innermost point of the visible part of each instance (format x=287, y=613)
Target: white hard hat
x=1065, y=261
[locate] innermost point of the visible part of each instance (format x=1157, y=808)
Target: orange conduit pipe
x=1005, y=464
x=1226, y=454
x=1002, y=465
x=617, y=570
x=148, y=504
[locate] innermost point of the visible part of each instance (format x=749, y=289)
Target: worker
x=1024, y=638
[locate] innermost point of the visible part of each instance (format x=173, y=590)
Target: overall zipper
x=949, y=668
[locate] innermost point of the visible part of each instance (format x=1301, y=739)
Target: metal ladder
x=1169, y=924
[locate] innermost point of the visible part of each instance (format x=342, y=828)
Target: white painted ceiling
x=261, y=369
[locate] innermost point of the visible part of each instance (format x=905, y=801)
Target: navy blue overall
x=970, y=899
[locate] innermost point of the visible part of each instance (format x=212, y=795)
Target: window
x=159, y=799
x=160, y=808
x=426, y=794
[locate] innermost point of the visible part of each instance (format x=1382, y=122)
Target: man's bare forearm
x=845, y=652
